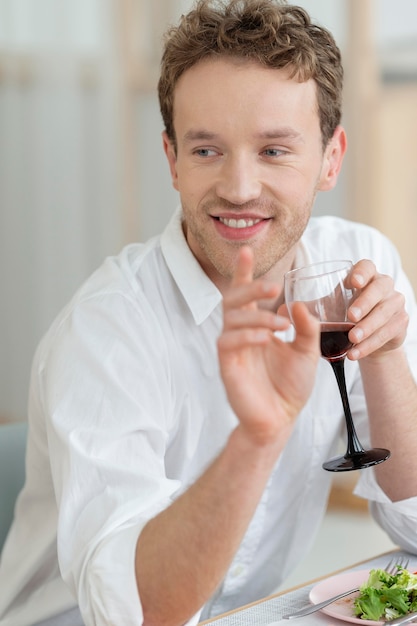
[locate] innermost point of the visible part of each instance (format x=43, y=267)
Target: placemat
x=272, y=609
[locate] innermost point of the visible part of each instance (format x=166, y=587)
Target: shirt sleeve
x=109, y=595
x=107, y=401
x=398, y=519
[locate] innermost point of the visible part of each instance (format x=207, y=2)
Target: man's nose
x=238, y=181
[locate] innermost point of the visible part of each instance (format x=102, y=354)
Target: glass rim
x=343, y=264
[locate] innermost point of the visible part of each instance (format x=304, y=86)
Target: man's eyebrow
x=282, y=133
x=199, y=135
x=277, y=133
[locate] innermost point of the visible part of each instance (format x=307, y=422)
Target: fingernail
x=354, y=353
x=280, y=318
x=355, y=312
x=359, y=279
x=358, y=334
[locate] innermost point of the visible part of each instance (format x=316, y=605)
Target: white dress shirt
x=127, y=408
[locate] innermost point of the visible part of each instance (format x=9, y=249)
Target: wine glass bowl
x=325, y=290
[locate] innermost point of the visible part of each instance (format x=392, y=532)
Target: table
x=272, y=608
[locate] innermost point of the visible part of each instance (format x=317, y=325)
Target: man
x=177, y=427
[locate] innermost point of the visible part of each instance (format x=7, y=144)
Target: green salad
x=387, y=596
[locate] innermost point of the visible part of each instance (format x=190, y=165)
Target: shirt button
x=238, y=570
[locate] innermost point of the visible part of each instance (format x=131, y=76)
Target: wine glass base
x=356, y=461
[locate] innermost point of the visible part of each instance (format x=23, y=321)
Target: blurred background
x=82, y=171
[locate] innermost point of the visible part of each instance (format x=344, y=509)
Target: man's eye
x=205, y=152
x=273, y=152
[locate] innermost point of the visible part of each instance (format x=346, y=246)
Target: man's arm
x=183, y=553
x=391, y=396
x=390, y=389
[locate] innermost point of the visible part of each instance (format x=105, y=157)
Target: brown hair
x=271, y=32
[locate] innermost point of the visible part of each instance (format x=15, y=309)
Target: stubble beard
x=222, y=255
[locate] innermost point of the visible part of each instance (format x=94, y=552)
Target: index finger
x=243, y=273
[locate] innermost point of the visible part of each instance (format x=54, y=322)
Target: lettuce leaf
x=369, y=605
x=384, y=596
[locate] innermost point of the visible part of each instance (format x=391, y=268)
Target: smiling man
x=178, y=424
x=247, y=167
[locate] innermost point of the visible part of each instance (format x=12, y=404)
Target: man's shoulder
x=333, y=236
x=125, y=271
x=119, y=282
x=339, y=224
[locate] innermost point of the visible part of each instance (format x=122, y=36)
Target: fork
x=390, y=568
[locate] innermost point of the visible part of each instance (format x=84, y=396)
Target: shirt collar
x=302, y=254
x=200, y=293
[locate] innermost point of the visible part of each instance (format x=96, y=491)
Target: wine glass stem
x=353, y=445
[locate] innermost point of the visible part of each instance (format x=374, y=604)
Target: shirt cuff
x=368, y=487
x=112, y=596
x=108, y=592
x=398, y=519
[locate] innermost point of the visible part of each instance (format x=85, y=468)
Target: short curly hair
x=270, y=32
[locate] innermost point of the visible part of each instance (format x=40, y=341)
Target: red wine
x=334, y=342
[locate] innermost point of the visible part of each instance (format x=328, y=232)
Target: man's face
x=248, y=163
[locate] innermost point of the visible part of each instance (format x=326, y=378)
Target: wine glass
x=324, y=289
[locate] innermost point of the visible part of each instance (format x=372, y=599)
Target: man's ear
x=171, y=155
x=332, y=161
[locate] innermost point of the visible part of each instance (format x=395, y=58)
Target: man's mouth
x=239, y=223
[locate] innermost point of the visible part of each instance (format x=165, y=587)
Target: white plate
x=341, y=609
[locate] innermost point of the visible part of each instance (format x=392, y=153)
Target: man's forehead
x=218, y=89
x=223, y=74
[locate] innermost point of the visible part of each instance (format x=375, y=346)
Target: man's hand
x=267, y=380
x=378, y=312
x=390, y=389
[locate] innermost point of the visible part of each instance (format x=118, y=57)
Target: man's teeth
x=241, y=223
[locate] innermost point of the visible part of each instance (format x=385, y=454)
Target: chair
x=12, y=471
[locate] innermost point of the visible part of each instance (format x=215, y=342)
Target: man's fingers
x=243, y=273
x=306, y=326
x=249, y=293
